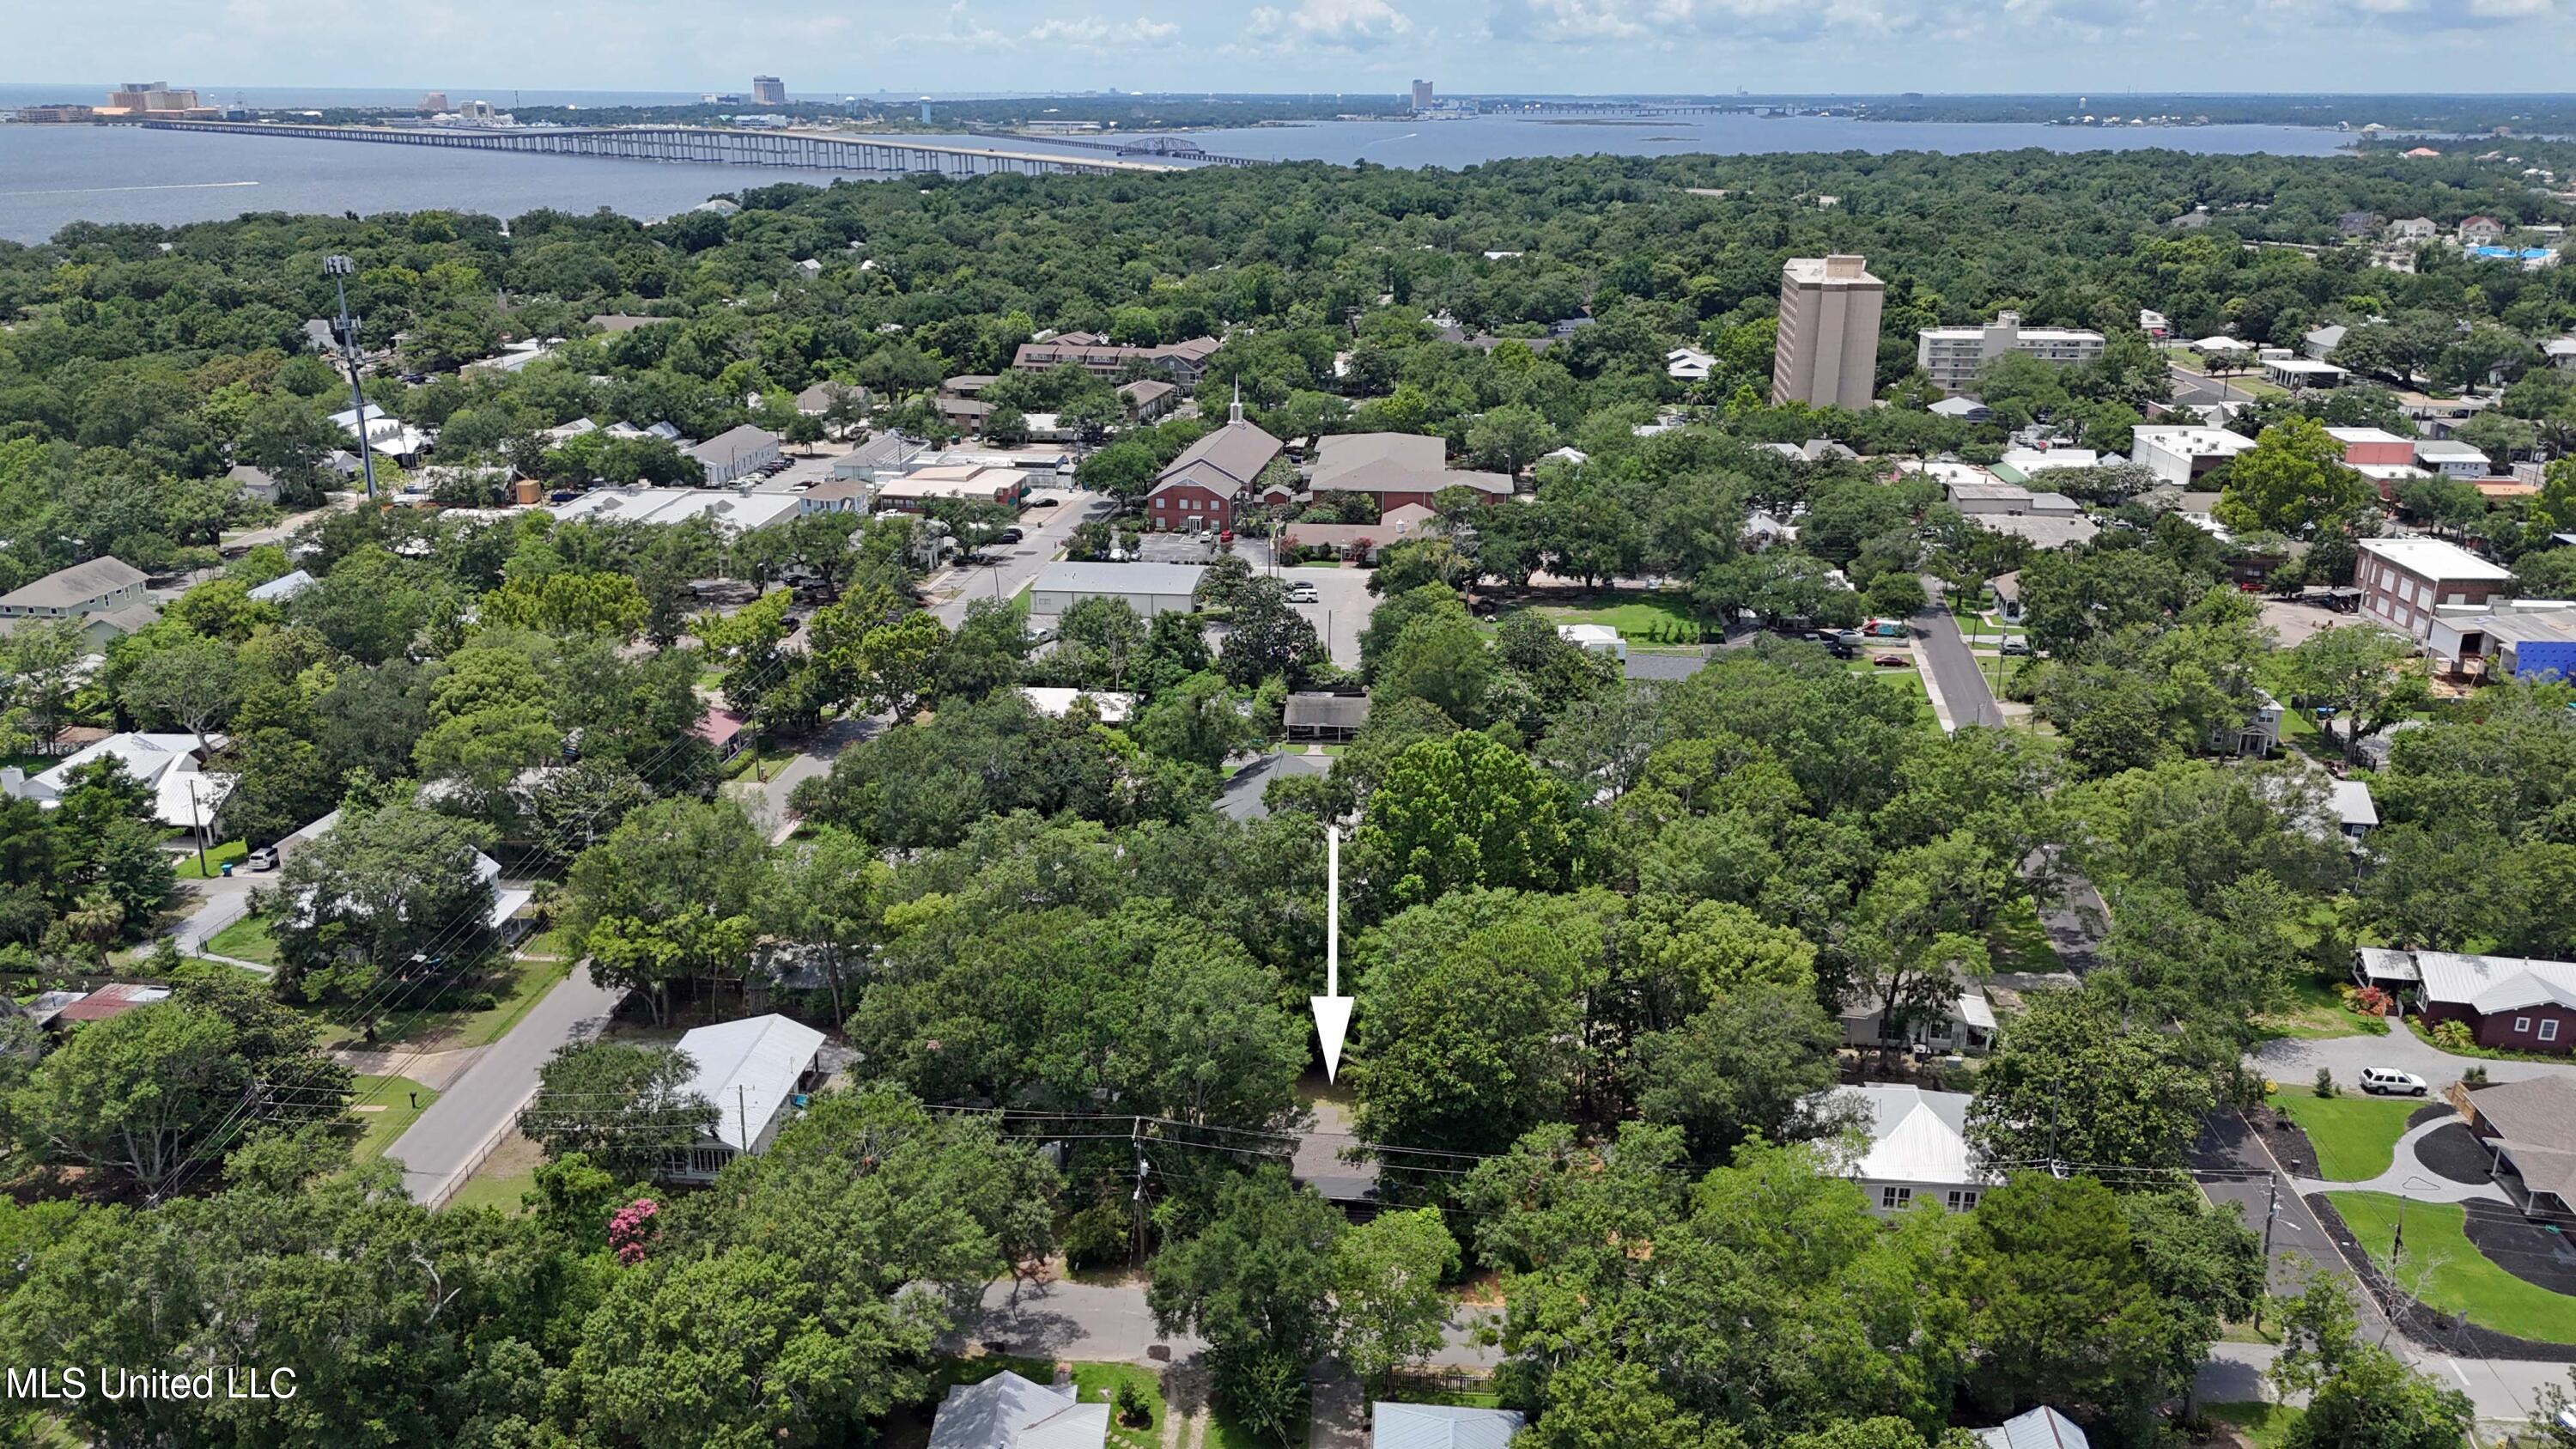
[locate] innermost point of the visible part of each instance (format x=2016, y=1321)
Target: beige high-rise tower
x=1827, y=352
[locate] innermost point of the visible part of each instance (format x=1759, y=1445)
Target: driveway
x=2294, y=1061
x=1959, y=693
x=441, y=1149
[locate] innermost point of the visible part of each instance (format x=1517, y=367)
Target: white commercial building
x=1954, y=355
x=2452, y=459
x=1148, y=588
x=736, y=453
x=2295, y=373
x=2178, y=454
x=744, y=511
x=1826, y=353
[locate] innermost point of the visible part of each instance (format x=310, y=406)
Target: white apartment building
x=1954, y=355
x=1826, y=354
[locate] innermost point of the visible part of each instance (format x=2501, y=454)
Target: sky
x=827, y=47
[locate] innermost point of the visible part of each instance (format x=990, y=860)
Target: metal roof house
x=754, y=1071
x=1917, y=1146
x=2041, y=1428
x=1441, y=1426
x=2522, y=1003
x=1008, y=1411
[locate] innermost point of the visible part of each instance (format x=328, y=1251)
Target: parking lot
x=1342, y=601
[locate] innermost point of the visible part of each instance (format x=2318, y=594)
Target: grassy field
x=247, y=939
x=2268, y=1425
x=395, y=1096
x=2355, y=1136
x=2460, y=1279
x=2316, y=1012
x=1639, y=618
x=216, y=855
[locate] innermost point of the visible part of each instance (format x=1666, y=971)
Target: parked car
x=1892, y=661
x=1044, y=502
x=1009, y=535
x=264, y=858
x=1302, y=593
x=1841, y=650
x=2390, y=1082
x=2016, y=646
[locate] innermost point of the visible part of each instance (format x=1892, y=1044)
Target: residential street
x=442, y=1148
x=2296, y=1060
x=1957, y=683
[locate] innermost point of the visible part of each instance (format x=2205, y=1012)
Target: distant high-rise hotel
x=1827, y=351
x=1422, y=95
x=433, y=102
x=768, y=90
x=151, y=96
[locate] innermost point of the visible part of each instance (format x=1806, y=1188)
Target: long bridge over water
x=709, y=145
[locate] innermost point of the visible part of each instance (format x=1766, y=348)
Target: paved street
x=1106, y=1321
x=1954, y=676
x=2296, y=1061
x=441, y=1149
x=1016, y=565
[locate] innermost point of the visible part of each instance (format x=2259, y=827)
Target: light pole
x=339, y=269
x=2397, y=1240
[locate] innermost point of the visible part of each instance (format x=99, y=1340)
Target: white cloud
x=1330, y=24
x=1090, y=32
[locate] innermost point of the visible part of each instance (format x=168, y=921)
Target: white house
x=2451, y=459
x=1112, y=706
x=2041, y=1428
x=1916, y=1146
x=754, y=1071
x=282, y=588
x=1008, y=1411
x=1440, y=1426
x=171, y=765
x=1595, y=638
x=736, y=453
x=1688, y=364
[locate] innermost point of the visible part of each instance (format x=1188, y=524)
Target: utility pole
x=339, y=269
x=2271, y=1215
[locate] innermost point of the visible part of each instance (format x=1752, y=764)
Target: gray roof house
x=255, y=484
x=1441, y=1426
x=735, y=452
x=1327, y=717
x=95, y=587
x=1007, y=1411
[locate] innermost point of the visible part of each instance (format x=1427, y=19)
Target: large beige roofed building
x=1827, y=352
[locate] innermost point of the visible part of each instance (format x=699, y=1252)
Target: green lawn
x=2268, y=1425
x=2316, y=1011
x=216, y=855
x=499, y=1193
x=2460, y=1280
x=771, y=757
x=1094, y=1382
x=248, y=939
x=2355, y=1136
x=395, y=1095
x=1640, y=618
x=522, y=986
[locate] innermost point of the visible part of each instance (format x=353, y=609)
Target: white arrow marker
x=1332, y=1009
